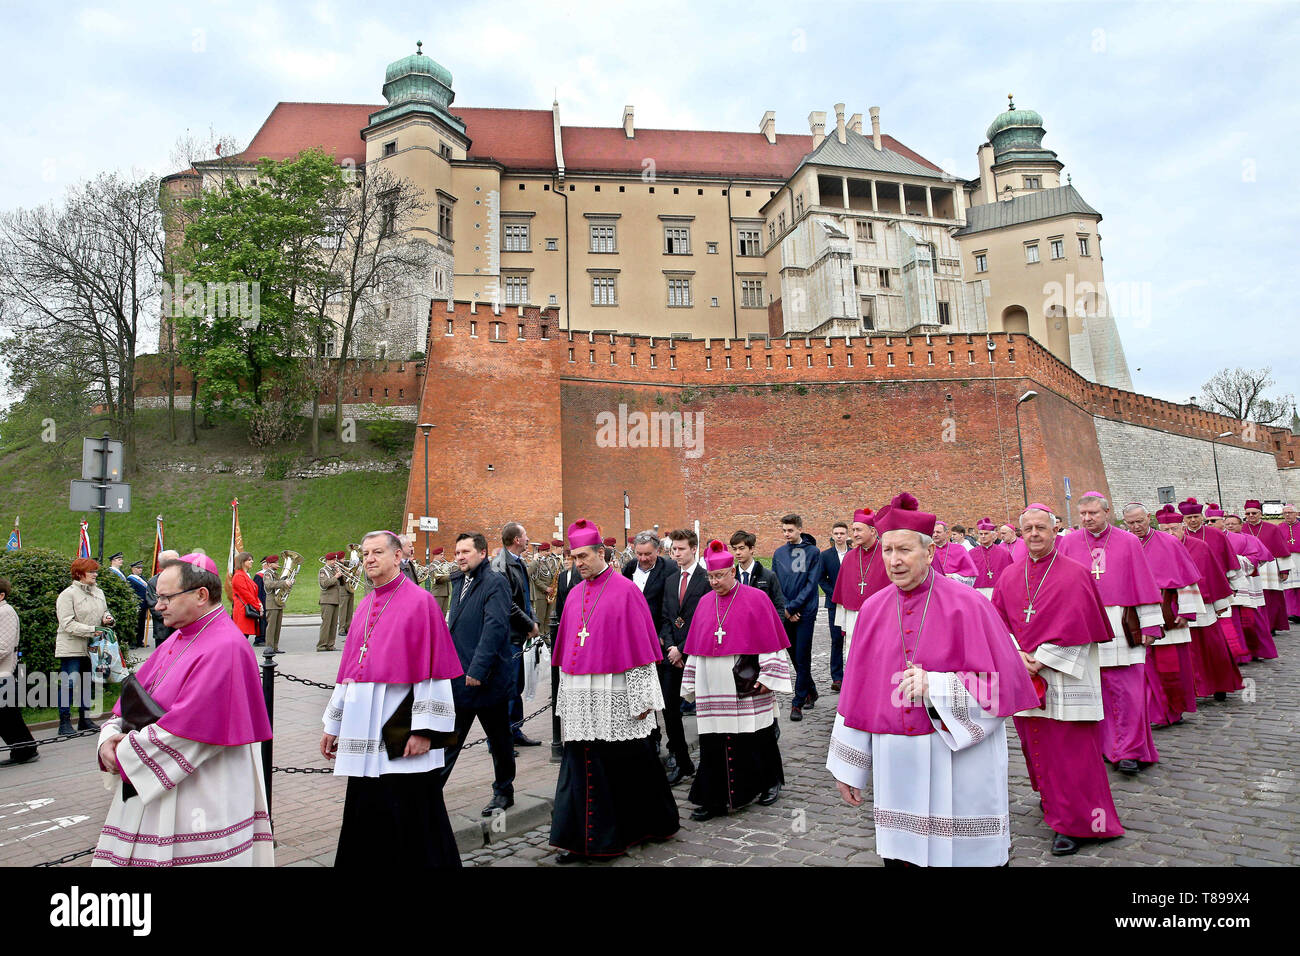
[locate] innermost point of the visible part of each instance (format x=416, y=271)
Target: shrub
x=38, y=576
x=415, y=357
x=387, y=432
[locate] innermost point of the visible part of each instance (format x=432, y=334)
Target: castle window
x=883, y=276
x=981, y=262
x=749, y=242
x=677, y=240
x=1058, y=248
x=672, y=361
x=552, y=245
x=712, y=248
x=679, y=293
x=798, y=205
x=444, y=220
x=603, y=238
x=751, y=293
x=516, y=289
x=603, y=291
x=545, y=334
x=570, y=355
x=1083, y=245
x=445, y=152
x=390, y=148
x=769, y=361
x=1033, y=182
x=516, y=237
x=866, y=231
x=749, y=361
x=1031, y=253
x=654, y=360
x=945, y=313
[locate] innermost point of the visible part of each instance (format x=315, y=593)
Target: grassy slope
x=310, y=516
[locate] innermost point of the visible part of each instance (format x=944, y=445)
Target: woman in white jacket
x=81, y=608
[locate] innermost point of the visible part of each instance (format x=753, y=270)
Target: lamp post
x=1214, y=451
x=1029, y=396
x=426, y=428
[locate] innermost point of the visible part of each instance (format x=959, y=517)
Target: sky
x=1178, y=122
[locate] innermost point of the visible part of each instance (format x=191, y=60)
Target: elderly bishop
x=933, y=677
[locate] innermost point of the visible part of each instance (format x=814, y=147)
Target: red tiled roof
x=524, y=139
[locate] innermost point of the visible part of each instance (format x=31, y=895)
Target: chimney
x=627, y=122
x=875, y=126
x=817, y=126
x=839, y=123
x=767, y=126
x=855, y=123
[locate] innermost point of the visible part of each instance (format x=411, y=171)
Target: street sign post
x=428, y=524
x=98, y=489
x=1067, y=502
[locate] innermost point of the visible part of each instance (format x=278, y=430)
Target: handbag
x=252, y=613
x=139, y=710
x=397, y=730
x=745, y=673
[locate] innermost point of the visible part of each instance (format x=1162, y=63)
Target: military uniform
x=543, y=576
x=345, y=613
x=331, y=597
x=276, y=595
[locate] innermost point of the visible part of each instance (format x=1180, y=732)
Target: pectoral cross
x=361, y=656
x=1098, y=564
x=583, y=635
x=1028, y=611
x=990, y=574
x=719, y=633
x=1096, y=572
x=862, y=586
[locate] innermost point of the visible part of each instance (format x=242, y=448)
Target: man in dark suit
x=831, y=559
x=649, y=572
x=160, y=630
x=568, y=579
x=479, y=621
x=407, y=565
x=508, y=561
x=686, y=584
x=750, y=570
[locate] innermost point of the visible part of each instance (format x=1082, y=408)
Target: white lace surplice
x=197, y=804
x=939, y=799
x=356, y=715
x=710, y=682
x=605, y=706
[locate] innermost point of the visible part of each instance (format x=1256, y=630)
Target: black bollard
x=268, y=695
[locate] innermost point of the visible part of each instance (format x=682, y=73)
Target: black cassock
x=396, y=818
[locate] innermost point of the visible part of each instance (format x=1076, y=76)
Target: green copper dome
x=1017, y=132
x=418, y=78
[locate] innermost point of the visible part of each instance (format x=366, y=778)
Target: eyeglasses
x=168, y=598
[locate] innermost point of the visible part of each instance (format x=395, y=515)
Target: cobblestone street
x=1222, y=794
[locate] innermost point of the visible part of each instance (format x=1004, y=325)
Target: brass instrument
x=353, y=577
x=290, y=563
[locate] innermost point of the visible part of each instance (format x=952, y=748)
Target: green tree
x=250, y=252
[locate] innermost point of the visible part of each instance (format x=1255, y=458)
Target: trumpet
x=353, y=577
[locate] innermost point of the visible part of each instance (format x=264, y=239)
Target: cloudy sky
x=1178, y=121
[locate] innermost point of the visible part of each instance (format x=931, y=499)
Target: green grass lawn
x=310, y=516
x=36, y=715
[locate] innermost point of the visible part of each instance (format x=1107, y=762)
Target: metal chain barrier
x=48, y=740
x=67, y=859
x=293, y=679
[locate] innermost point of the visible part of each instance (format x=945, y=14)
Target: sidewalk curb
x=530, y=811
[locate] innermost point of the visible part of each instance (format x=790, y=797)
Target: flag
x=15, y=539
x=157, y=544
x=236, y=545
x=83, y=547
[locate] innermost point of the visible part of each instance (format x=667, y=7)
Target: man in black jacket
x=479, y=623
x=649, y=570
x=514, y=542
x=831, y=559
x=750, y=570
x=686, y=584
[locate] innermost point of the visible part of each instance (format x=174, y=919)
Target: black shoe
x=259, y=643
x=812, y=698
x=835, y=686
x=87, y=724
x=564, y=857
x=796, y=713
x=700, y=814
x=1063, y=845
x=65, y=727
x=15, y=762
x=498, y=802
x=768, y=797
x=1127, y=766
x=1220, y=695
x=523, y=740
x=277, y=651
